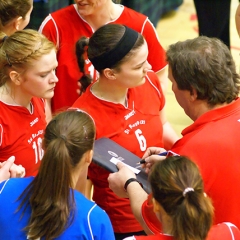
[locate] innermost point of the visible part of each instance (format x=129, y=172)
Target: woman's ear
x=88, y=156
x=15, y=78
x=109, y=74
x=17, y=22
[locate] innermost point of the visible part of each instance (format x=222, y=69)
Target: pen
x=160, y=154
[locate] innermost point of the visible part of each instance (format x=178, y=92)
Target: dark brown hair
x=103, y=40
x=10, y=9
x=67, y=137
x=191, y=212
x=206, y=65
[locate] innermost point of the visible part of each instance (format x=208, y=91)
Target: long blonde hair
x=20, y=49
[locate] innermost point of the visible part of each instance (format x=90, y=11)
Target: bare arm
x=237, y=19
x=163, y=79
x=137, y=197
x=135, y=192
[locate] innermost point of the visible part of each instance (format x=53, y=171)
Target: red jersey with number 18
x=21, y=134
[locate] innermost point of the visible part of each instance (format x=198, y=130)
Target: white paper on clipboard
x=115, y=161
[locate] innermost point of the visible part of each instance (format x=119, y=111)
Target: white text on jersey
x=33, y=122
x=129, y=115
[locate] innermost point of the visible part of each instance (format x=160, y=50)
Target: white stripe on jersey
x=1, y=134
x=88, y=219
x=153, y=84
x=48, y=18
x=3, y=186
x=230, y=225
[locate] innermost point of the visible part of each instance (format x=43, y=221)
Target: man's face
x=183, y=97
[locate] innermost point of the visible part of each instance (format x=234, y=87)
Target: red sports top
x=65, y=26
x=212, y=142
x=134, y=127
x=21, y=134
x=223, y=231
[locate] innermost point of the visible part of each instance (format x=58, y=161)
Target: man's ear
x=109, y=74
x=17, y=22
x=14, y=76
x=193, y=94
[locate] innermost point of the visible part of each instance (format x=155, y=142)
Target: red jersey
x=21, y=134
x=65, y=27
x=134, y=127
x=212, y=142
x=223, y=231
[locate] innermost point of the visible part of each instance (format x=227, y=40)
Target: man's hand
x=118, y=179
x=151, y=156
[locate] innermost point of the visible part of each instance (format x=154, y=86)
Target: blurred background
x=181, y=24
x=175, y=20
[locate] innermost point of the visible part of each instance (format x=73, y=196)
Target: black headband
x=110, y=58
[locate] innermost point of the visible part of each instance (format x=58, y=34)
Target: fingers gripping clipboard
x=106, y=152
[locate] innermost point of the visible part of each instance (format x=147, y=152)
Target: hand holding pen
x=152, y=155
x=143, y=161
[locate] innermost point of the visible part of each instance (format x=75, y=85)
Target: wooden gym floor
x=180, y=25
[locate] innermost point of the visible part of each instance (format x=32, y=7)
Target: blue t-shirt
x=90, y=221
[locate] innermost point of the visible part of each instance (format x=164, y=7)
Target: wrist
x=130, y=180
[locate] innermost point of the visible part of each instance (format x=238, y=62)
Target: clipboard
x=105, y=149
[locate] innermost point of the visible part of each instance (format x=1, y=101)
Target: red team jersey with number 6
x=65, y=27
x=21, y=134
x=135, y=127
